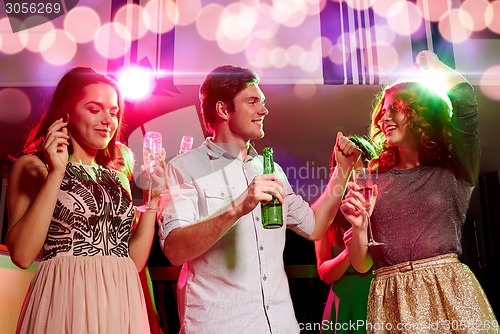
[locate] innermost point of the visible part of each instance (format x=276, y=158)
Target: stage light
x=136, y=82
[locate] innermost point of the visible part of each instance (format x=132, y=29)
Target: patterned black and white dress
x=86, y=282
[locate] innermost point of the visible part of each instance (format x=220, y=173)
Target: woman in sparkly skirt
x=427, y=167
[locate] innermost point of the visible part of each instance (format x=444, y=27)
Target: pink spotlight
x=136, y=83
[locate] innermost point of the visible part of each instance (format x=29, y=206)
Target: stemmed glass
x=186, y=144
x=151, y=151
x=363, y=178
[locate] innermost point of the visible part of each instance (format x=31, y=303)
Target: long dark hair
x=428, y=115
x=68, y=92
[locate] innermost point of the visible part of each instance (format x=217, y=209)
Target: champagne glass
x=151, y=151
x=363, y=178
x=186, y=144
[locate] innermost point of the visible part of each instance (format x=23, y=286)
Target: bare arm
x=352, y=208
x=330, y=268
x=429, y=60
x=327, y=205
x=32, y=195
x=141, y=237
x=186, y=243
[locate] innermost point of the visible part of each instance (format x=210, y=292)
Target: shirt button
x=261, y=247
x=257, y=218
x=267, y=307
x=264, y=278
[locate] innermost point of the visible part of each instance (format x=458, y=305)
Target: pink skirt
x=87, y=294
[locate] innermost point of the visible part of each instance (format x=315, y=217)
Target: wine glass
x=186, y=144
x=363, y=178
x=151, y=151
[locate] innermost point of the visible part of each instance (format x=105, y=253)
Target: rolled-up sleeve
x=179, y=202
x=299, y=215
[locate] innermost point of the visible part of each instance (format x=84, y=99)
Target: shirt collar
x=216, y=151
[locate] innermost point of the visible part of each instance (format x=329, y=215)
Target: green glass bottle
x=272, y=214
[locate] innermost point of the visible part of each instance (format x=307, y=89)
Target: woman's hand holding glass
x=359, y=202
x=152, y=176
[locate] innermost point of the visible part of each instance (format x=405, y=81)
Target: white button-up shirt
x=239, y=285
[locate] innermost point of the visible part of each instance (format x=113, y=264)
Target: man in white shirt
x=233, y=278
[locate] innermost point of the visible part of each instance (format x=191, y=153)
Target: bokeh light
x=404, y=18
x=453, y=27
x=208, y=20
x=386, y=64
x=309, y=61
x=15, y=106
x=295, y=53
x=36, y=34
x=162, y=15
x=237, y=22
x=493, y=16
x=188, y=11
x=82, y=33
x=278, y=57
x=12, y=43
x=490, y=82
x=382, y=7
x=58, y=47
x=305, y=89
x=434, y=10
x=477, y=12
x=265, y=27
x=134, y=16
x=336, y=55
x=289, y=13
x=112, y=40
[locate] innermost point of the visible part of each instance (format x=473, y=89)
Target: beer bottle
x=272, y=214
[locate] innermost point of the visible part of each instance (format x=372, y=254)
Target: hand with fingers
x=261, y=190
x=345, y=151
x=55, y=146
x=353, y=206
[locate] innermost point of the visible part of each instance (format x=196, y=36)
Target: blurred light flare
x=136, y=82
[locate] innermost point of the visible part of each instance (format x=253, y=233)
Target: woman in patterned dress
x=63, y=200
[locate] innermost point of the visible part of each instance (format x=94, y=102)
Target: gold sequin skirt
x=434, y=295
